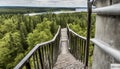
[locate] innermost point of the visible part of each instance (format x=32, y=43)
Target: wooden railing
x=42, y=56
x=77, y=45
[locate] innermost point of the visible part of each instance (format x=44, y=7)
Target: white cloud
x=52, y=3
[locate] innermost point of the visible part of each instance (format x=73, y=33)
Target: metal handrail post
x=89, y=3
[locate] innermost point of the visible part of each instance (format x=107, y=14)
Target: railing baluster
x=71, y=41
x=84, y=49
x=52, y=54
x=48, y=48
x=79, y=54
x=78, y=48
x=37, y=63
x=72, y=44
x=34, y=61
x=81, y=49
x=43, y=57
x=47, y=62
x=28, y=65
x=75, y=46
x=40, y=58
x=56, y=53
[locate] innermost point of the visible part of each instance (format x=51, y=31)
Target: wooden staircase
x=66, y=60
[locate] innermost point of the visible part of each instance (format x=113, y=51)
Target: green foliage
x=79, y=25
x=41, y=33
x=8, y=26
x=20, y=33
x=9, y=46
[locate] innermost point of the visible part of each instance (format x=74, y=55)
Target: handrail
x=25, y=59
x=109, y=10
x=40, y=44
x=75, y=33
x=106, y=47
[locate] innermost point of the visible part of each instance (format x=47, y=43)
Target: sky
x=44, y=3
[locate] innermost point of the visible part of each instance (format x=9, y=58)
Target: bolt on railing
x=42, y=56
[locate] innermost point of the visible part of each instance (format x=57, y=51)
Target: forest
x=24, y=9
x=20, y=33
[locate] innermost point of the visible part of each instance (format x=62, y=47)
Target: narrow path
x=65, y=60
